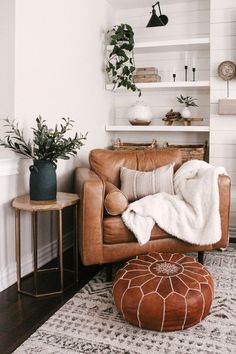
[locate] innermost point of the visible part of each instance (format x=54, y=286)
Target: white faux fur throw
x=191, y=215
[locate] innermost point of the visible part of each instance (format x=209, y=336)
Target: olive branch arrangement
x=47, y=144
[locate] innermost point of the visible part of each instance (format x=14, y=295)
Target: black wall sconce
x=155, y=20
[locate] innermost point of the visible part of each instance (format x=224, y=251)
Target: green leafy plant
x=187, y=101
x=120, y=65
x=46, y=144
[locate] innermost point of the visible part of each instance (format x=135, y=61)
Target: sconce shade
x=155, y=20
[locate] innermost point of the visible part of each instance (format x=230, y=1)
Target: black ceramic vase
x=43, y=180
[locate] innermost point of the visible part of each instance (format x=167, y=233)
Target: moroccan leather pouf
x=163, y=291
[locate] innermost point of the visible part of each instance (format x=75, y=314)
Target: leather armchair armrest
x=224, y=191
x=91, y=190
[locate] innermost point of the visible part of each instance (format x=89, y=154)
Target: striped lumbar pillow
x=138, y=184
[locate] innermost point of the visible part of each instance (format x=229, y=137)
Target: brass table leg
x=60, y=248
x=18, y=252
x=52, y=230
x=76, y=243
x=35, y=245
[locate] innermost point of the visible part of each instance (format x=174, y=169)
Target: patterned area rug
x=89, y=322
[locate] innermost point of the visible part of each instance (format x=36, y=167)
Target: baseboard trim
x=45, y=255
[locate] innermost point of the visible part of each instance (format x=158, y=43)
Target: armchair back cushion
x=107, y=163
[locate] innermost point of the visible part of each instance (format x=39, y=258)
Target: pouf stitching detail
x=203, y=307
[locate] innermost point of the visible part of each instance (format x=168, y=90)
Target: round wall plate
x=227, y=70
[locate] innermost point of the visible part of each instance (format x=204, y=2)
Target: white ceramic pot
x=186, y=113
x=139, y=114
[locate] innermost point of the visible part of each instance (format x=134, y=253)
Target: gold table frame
x=24, y=203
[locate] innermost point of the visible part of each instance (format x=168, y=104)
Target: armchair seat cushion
x=115, y=231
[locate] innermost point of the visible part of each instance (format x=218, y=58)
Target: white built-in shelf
x=170, y=84
x=176, y=44
x=157, y=128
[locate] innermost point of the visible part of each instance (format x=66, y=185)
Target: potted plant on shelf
x=120, y=65
x=188, y=101
x=45, y=148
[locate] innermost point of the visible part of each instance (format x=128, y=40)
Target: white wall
x=59, y=65
x=223, y=128
x=7, y=30
x=8, y=169
x=59, y=71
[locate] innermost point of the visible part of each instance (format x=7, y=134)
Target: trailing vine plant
x=120, y=65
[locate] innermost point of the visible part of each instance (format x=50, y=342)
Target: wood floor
x=21, y=315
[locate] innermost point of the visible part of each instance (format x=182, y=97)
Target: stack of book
x=146, y=75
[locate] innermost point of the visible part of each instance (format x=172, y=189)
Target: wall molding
x=9, y=166
x=45, y=255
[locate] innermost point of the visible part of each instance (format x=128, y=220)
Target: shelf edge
x=160, y=85
x=169, y=43
x=152, y=128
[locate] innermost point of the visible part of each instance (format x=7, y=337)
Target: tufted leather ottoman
x=163, y=291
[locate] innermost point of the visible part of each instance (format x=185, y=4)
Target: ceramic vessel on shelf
x=140, y=114
x=186, y=113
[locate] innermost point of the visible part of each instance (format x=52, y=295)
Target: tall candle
x=174, y=70
x=193, y=62
x=185, y=58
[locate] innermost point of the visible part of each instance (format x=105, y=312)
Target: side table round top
x=63, y=200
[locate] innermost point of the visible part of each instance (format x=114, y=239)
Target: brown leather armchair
x=104, y=238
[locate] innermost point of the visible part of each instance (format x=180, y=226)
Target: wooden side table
x=24, y=203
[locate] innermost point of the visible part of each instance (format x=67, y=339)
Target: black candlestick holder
x=174, y=77
x=186, y=72
x=194, y=74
